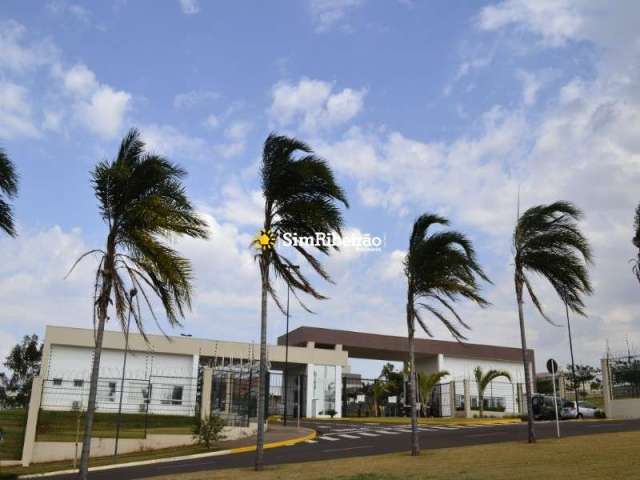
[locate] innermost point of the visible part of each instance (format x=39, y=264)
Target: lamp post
x=573, y=365
x=132, y=293
x=286, y=350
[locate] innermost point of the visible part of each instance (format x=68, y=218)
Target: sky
x=448, y=107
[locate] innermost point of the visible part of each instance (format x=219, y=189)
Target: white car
x=587, y=410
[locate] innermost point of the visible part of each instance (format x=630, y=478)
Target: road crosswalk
x=353, y=432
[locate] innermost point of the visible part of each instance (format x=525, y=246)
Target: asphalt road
x=344, y=439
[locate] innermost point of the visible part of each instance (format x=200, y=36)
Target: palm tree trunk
x=527, y=377
x=95, y=372
x=415, y=442
x=481, y=403
x=264, y=274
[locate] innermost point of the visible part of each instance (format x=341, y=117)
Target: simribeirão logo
x=366, y=242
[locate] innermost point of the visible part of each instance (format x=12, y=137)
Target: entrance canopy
x=395, y=348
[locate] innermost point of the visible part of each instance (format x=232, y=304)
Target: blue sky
x=419, y=106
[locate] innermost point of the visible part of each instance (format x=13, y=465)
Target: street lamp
x=132, y=293
x=286, y=349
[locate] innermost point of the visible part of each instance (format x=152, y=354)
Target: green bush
x=600, y=414
x=209, y=430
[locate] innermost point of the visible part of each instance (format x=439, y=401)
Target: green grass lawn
x=591, y=457
x=63, y=426
x=12, y=423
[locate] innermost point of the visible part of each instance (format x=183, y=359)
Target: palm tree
x=143, y=203
x=441, y=268
x=426, y=383
x=636, y=242
x=378, y=389
x=301, y=197
x=8, y=188
x=548, y=242
x=483, y=380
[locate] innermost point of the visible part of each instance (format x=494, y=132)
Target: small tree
x=426, y=384
x=209, y=430
x=483, y=381
x=23, y=363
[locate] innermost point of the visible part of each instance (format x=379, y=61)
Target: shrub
x=209, y=430
x=600, y=414
x=331, y=412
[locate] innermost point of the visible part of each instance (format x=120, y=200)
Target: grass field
x=12, y=423
x=63, y=426
x=612, y=456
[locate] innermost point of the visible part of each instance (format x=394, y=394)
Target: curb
x=219, y=453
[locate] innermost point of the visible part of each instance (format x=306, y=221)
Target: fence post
x=606, y=388
x=205, y=394
x=467, y=398
x=452, y=398
x=521, y=401
x=32, y=421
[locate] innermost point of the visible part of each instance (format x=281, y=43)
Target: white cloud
x=18, y=56
x=189, y=7
x=531, y=84
x=240, y=206
x=194, y=98
x=212, y=121
x=313, y=104
x=97, y=107
x=329, y=13
x=74, y=10
x=15, y=112
x=168, y=140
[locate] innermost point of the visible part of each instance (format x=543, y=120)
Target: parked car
x=543, y=407
x=587, y=410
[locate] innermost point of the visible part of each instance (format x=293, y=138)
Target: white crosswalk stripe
x=388, y=432
x=369, y=434
x=331, y=439
x=310, y=441
x=345, y=435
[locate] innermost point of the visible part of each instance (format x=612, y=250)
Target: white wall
x=165, y=371
x=461, y=368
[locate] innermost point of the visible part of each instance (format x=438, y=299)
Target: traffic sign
x=552, y=366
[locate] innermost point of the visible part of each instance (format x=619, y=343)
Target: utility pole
x=286, y=349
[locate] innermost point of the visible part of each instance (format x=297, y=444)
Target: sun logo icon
x=265, y=240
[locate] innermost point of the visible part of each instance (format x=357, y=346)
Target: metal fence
x=625, y=376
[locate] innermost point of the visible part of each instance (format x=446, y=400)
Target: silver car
x=587, y=410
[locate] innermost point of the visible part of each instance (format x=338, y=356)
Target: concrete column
x=205, y=395
x=606, y=388
x=467, y=399
x=32, y=421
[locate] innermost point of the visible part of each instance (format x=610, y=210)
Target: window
x=57, y=381
x=78, y=383
x=176, y=395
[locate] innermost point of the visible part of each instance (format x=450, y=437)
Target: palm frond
x=8, y=188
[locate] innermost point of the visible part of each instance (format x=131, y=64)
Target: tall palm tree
x=548, y=242
x=301, y=198
x=426, y=384
x=379, y=389
x=441, y=268
x=8, y=188
x=483, y=380
x=143, y=203
x=636, y=242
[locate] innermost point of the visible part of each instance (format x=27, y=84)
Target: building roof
x=396, y=348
